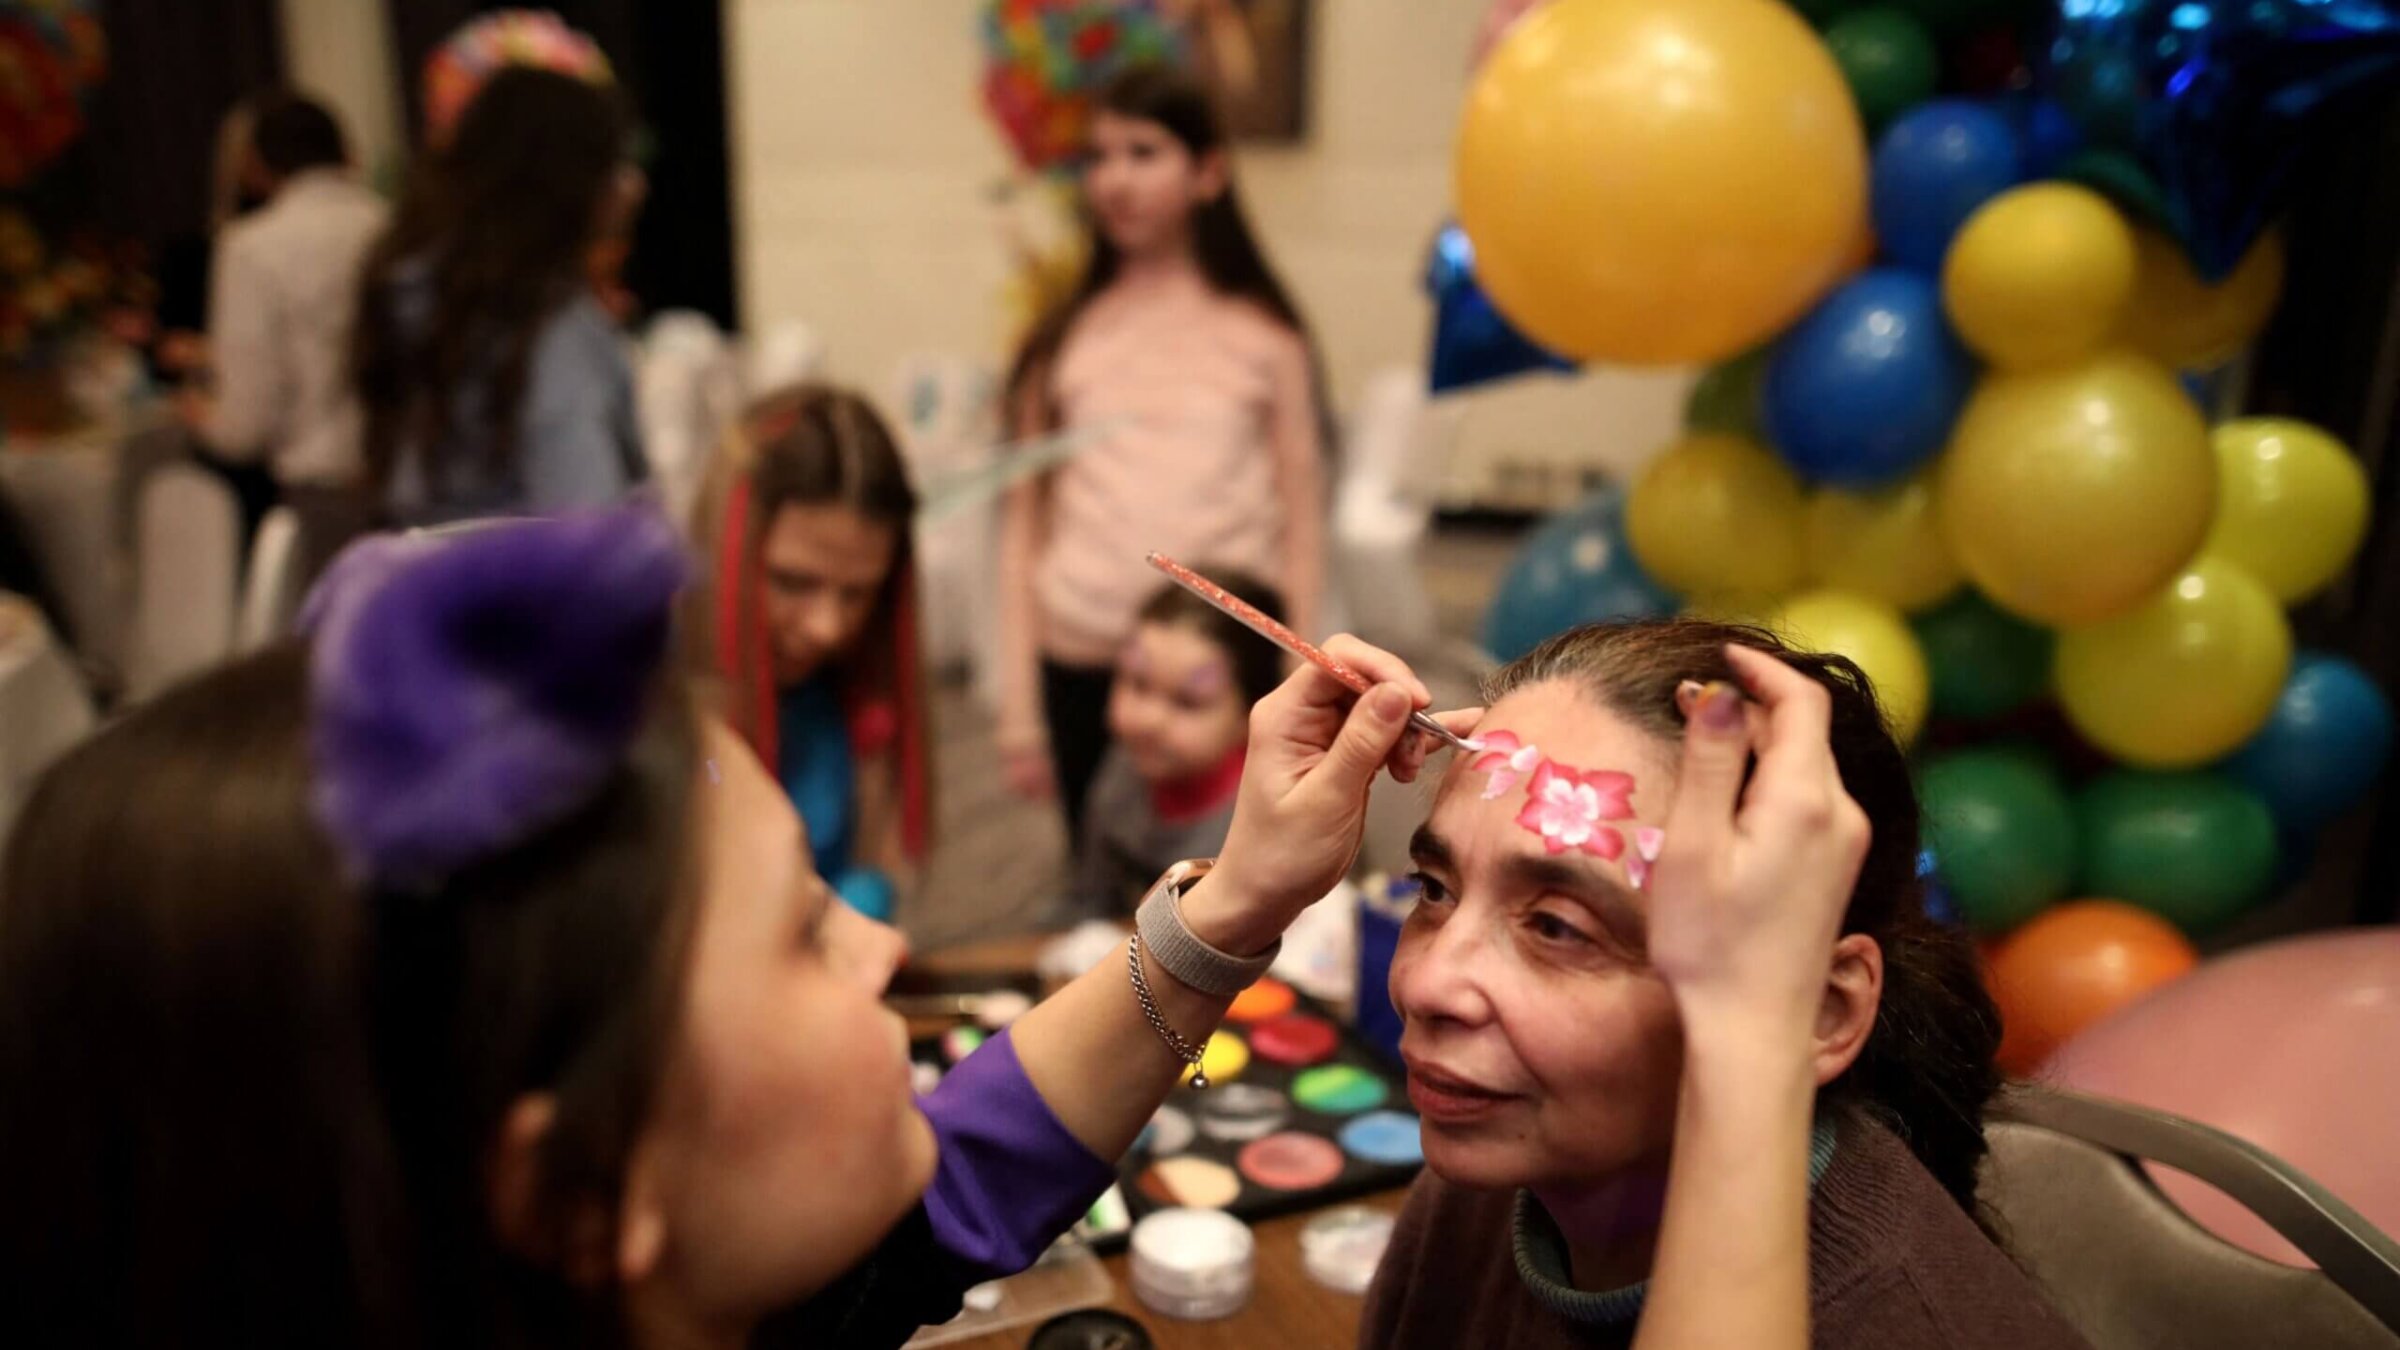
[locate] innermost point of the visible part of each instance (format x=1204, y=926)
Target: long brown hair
x=501, y=219
x=1927, y=1070
x=814, y=444
x=248, y=1103
x=1222, y=241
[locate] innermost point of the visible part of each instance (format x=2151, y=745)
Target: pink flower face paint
x=1569, y=809
x=1207, y=682
x=1508, y=761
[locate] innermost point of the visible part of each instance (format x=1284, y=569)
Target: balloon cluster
x=539, y=38
x=1962, y=456
x=1044, y=59
x=51, y=57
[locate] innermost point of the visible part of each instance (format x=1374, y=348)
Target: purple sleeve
x=1009, y=1178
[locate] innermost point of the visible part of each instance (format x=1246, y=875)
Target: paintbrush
x=1248, y=615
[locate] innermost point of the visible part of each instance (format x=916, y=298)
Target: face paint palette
x=1311, y=1116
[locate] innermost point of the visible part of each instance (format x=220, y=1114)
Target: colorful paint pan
x=1338, y=1089
x=1269, y=997
x=1294, y=1039
x=1291, y=1162
x=1241, y=1112
x=960, y=1042
x=1389, y=1138
x=1222, y=1059
x=1196, y=1182
x=1169, y=1131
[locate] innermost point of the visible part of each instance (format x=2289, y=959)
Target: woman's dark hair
x=1222, y=242
x=1927, y=1069
x=490, y=240
x=1257, y=663
x=249, y=1105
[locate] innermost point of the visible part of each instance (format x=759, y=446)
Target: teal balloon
x=1726, y=397
x=2196, y=849
x=1575, y=569
x=2002, y=833
x=1984, y=662
x=1888, y=59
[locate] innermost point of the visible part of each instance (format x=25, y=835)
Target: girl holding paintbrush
x=1181, y=340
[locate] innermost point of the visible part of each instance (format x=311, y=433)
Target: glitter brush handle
x=1250, y=617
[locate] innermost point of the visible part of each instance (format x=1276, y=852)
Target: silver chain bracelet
x=1184, y=1050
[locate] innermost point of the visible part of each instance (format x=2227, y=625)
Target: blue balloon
x=2045, y=131
x=2219, y=101
x=1932, y=168
x=1472, y=342
x=1575, y=569
x=2323, y=747
x=1864, y=388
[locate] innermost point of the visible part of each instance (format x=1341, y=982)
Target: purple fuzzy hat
x=470, y=689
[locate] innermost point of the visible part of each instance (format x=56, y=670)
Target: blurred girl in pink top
x=1182, y=351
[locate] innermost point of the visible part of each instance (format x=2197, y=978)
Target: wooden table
x=1287, y=1307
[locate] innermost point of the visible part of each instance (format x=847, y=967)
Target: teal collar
x=1542, y=1263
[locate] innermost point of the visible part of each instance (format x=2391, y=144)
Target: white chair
x=683, y=364
x=271, y=584
x=187, y=567
x=786, y=353
x=1382, y=507
x=44, y=706
x=945, y=409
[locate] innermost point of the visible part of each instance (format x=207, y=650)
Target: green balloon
x=1947, y=17
x=2194, y=848
x=1726, y=397
x=1888, y=59
x=2002, y=833
x=1984, y=662
x=1822, y=12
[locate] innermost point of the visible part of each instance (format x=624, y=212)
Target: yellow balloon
x=1659, y=181
x=2291, y=504
x=2070, y=495
x=2186, y=677
x=2188, y=324
x=2039, y=275
x=1885, y=543
x=1874, y=635
x=1716, y=516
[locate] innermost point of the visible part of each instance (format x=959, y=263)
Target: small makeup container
x=1195, y=1264
x=1341, y=1247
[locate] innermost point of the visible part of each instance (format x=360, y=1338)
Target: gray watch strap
x=1192, y=962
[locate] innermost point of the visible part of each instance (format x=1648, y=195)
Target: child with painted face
x=1679, y=1017
x=1179, y=719
x=445, y=979
x=809, y=518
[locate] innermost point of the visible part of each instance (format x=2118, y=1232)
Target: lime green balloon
x=1887, y=57
x=2002, y=833
x=1726, y=397
x=1985, y=661
x=2194, y=848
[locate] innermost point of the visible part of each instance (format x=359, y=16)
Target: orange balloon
x=2074, y=964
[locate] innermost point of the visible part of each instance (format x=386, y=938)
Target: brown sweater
x=1893, y=1262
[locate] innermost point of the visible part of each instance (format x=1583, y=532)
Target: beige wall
x=863, y=172
x=340, y=51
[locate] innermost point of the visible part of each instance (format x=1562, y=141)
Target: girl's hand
x=1315, y=747
x=1749, y=890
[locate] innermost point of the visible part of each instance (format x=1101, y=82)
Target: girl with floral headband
x=443, y=979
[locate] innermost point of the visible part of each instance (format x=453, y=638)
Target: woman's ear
x=587, y=1245
x=1853, y=993
x=512, y=1180
x=1210, y=177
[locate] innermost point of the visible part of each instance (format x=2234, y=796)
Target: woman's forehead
x=1555, y=722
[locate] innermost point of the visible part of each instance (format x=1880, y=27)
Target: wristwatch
x=1183, y=955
